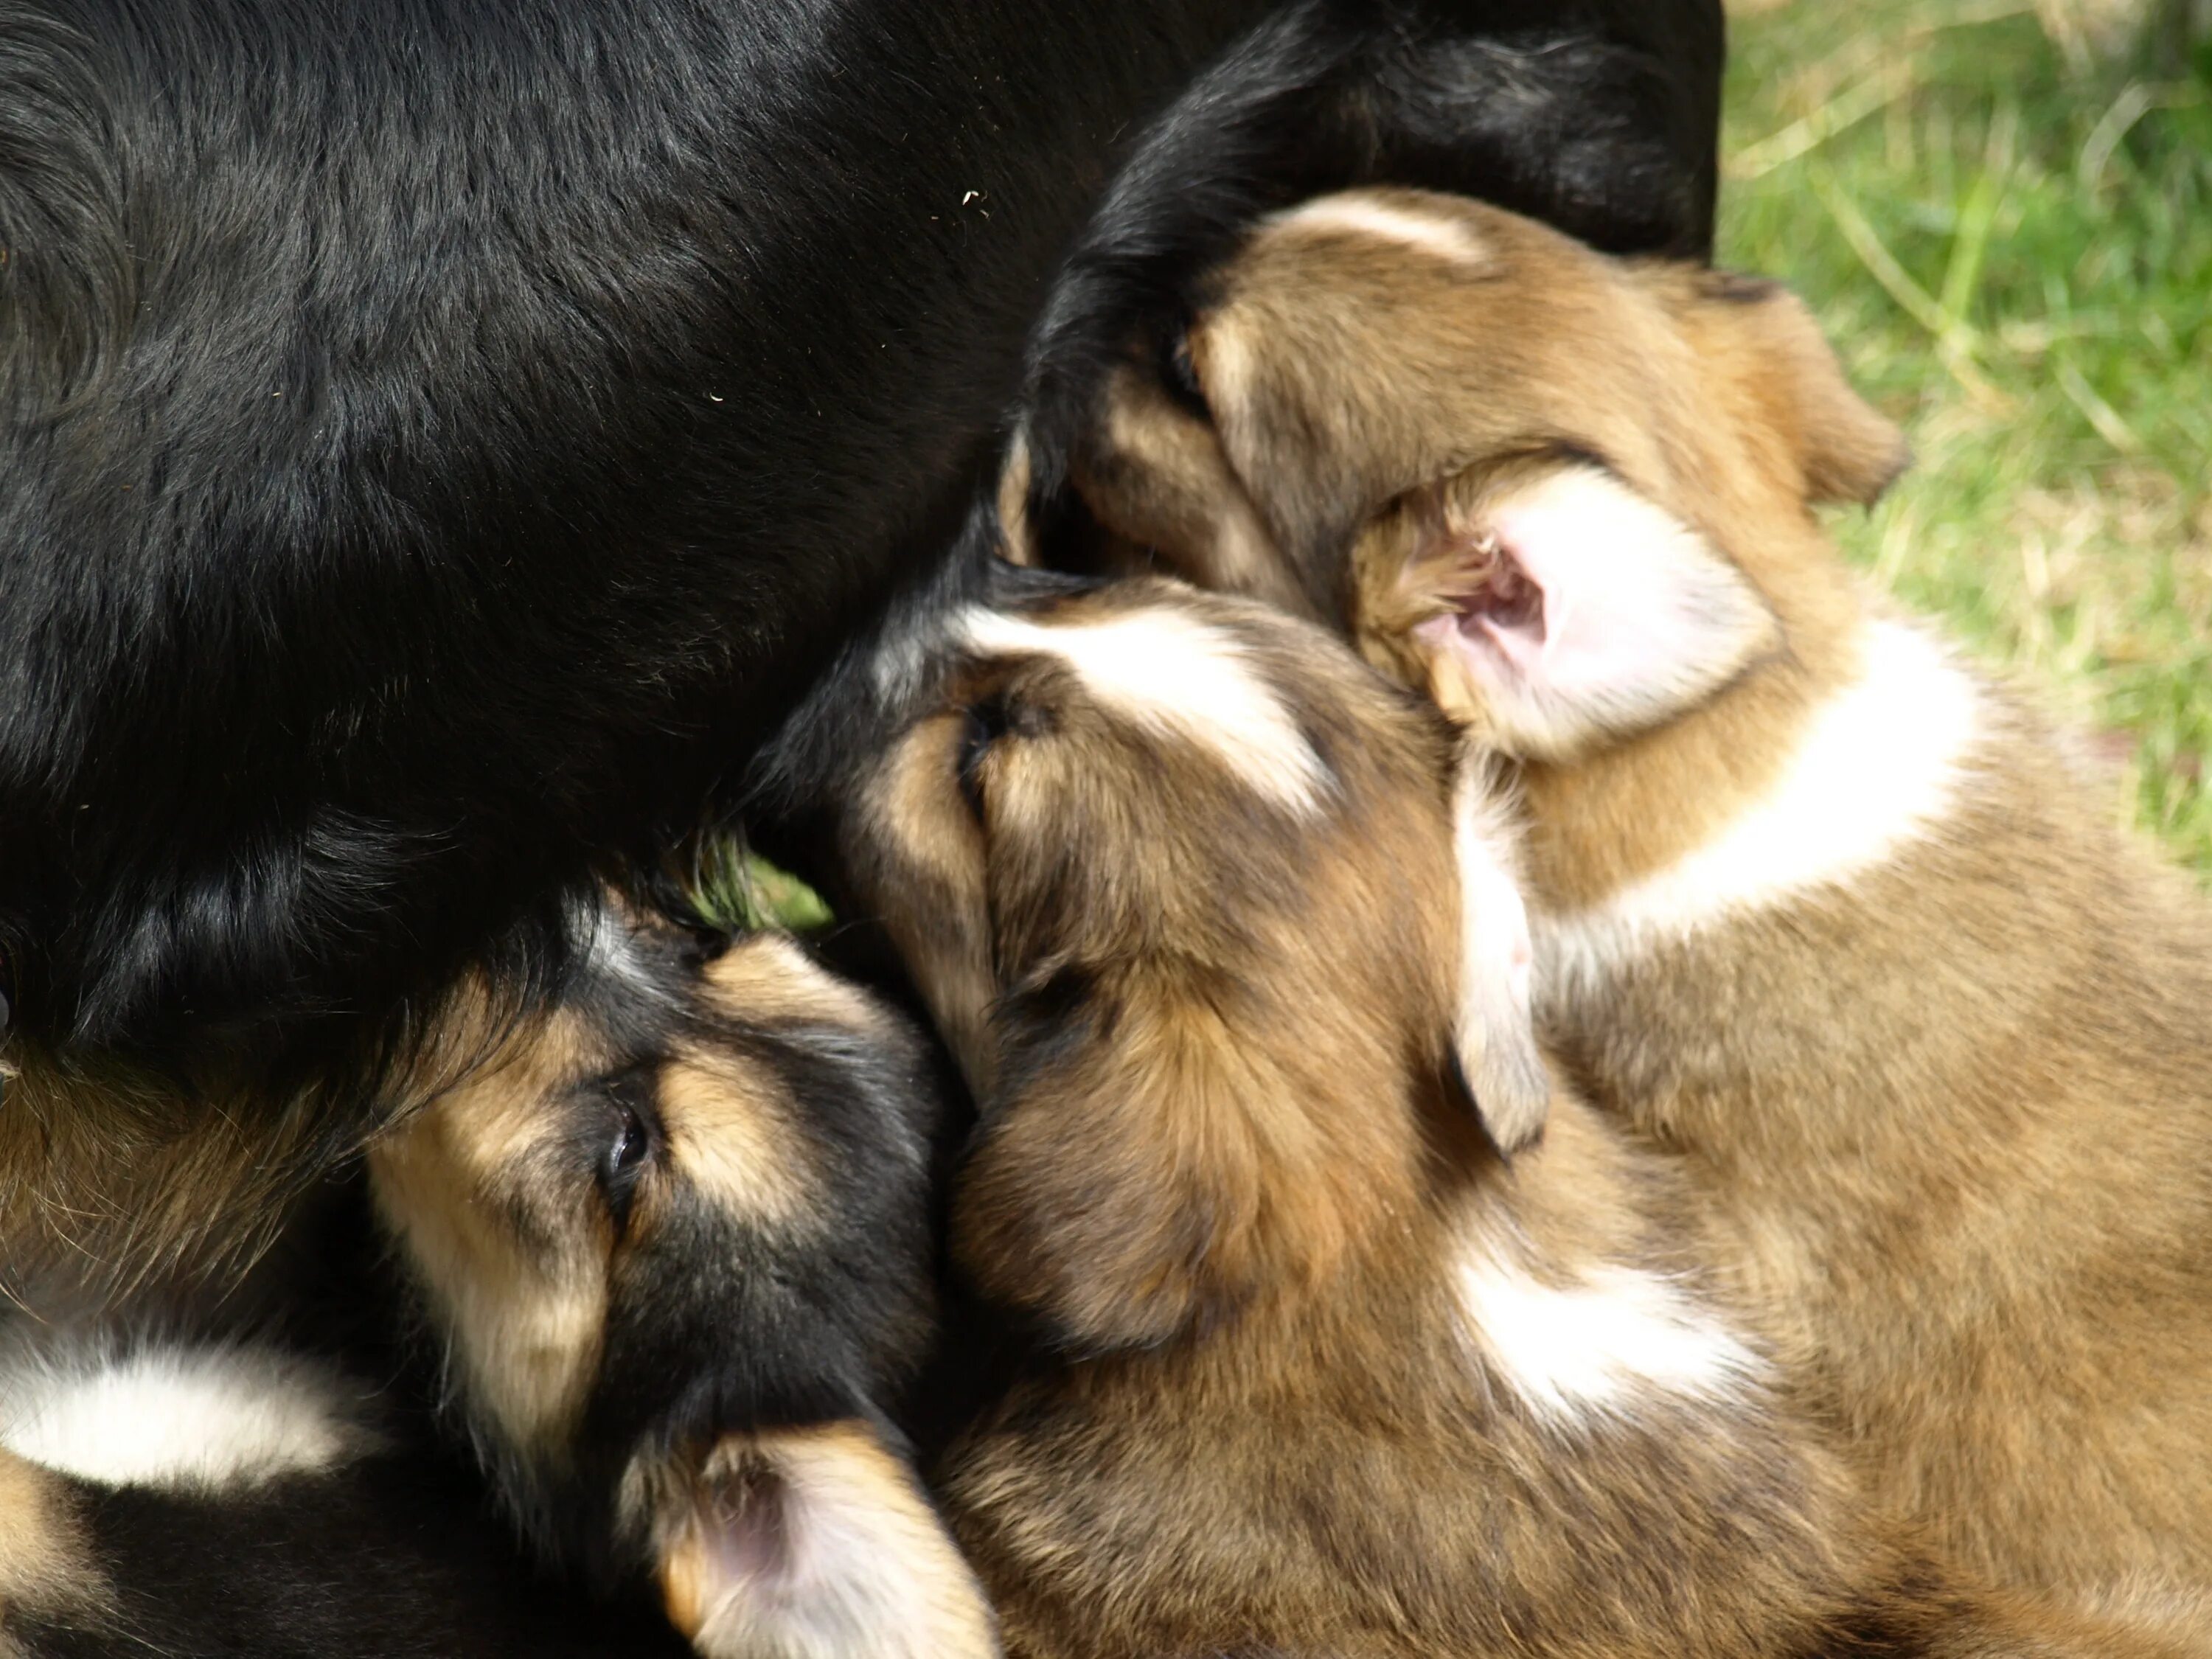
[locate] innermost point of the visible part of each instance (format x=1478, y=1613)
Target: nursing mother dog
x=1236, y=967
x=1817, y=905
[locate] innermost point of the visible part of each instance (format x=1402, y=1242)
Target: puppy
x=1816, y=903
x=1322, y=1372
x=669, y=1250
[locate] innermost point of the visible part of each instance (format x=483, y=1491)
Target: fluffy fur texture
x=669, y=1253
x=440, y=439
x=166, y=1416
x=1833, y=915
x=673, y=1243
x=1322, y=1373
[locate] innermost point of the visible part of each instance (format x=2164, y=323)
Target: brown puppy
x=1814, y=902
x=1327, y=1375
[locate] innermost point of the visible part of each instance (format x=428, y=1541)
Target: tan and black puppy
x=676, y=1245
x=1325, y=1373
x=1815, y=902
x=670, y=1247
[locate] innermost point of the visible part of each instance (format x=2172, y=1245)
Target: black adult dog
x=441, y=437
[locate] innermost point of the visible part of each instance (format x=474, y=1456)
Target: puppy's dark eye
x=631, y=1145
x=627, y=1149
x=1179, y=374
x=981, y=727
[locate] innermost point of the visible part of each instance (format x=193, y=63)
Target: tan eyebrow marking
x=771, y=980
x=730, y=1134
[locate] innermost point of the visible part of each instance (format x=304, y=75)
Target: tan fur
x=1950, y=1116
x=45, y=1567
x=725, y=1130
x=506, y=1241
x=507, y=1236
x=1223, y=1166
x=1014, y=504
x=112, y=1181
x=770, y=980
x=1175, y=495
x=115, y=1181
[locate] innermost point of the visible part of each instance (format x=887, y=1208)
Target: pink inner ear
x=1578, y=605
x=813, y=1543
x=748, y=1536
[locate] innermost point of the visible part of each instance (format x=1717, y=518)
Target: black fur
x=440, y=438
x=394, y=1558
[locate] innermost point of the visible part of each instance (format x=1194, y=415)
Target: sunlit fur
x=1320, y=1372
x=1843, y=924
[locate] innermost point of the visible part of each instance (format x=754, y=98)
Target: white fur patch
x=1365, y=217
x=1496, y=1029
x=153, y=1414
x=1172, y=673
x=1616, y=1335
x=1877, y=767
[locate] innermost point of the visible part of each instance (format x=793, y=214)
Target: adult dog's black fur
x=441, y=437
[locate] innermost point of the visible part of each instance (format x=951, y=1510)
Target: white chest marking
x=176, y=1417
x=1877, y=767
x=1173, y=673
x=1595, y=1346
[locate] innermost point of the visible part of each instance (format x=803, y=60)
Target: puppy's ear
x=1765, y=337
x=1494, y=1031
x=1141, y=1172
x=1153, y=473
x=813, y=1543
x=1568, y=608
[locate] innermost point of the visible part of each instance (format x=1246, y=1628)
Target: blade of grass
x=2099, y=414
x=1977, y=216
x=1846, y=109
x=1957, y=339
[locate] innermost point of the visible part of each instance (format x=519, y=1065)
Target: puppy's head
x=1174, y=874
x=672, y=1241
x=1570, y=492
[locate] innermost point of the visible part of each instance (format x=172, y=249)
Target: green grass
x=2010, y=238
x=740, y=889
